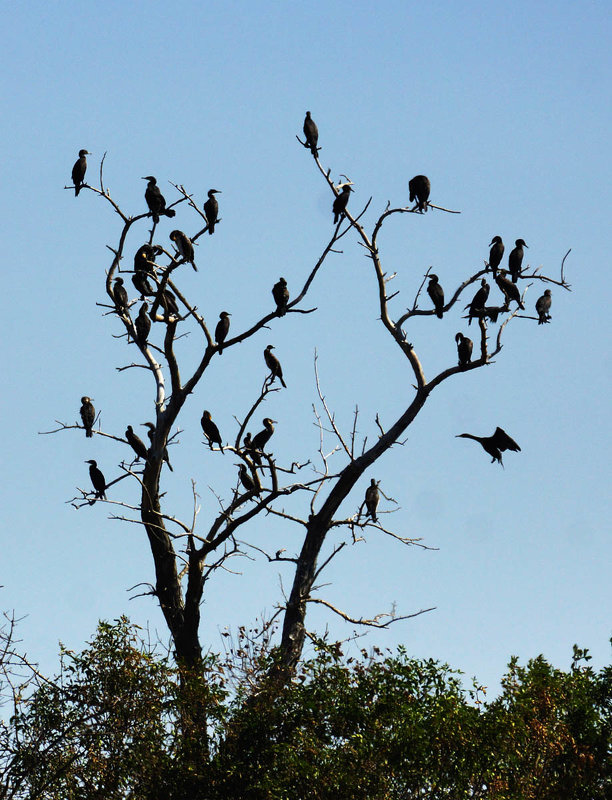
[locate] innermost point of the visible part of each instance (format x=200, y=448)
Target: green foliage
x=121, y=721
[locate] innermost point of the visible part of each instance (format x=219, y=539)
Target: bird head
x=224, y=314
x=92, y=462
x=150, y=178
x=433, y=278
x=84, y=153
x=214, y=191
x=494, y=240
x=206, y=415
x=85, y=399
x=520, y=243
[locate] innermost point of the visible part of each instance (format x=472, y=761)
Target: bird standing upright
x=493, y=445
x=120, y=296
x=246, y=480
x=274, y=364
x=464, y=349
x=436, y=292
x=136, y=443
x=211, y=431
x=142, y=323
x=222, y=329
x=419, y=188
x=151, y=435
x=211, y=210
x=185, y=246
x=78, y=171
x=280, y=293
x=339, y=205
x=311, y=132
x=542, y=306
x=515, y=259
x=156, y=201
x=509, y=289
x=261, y=439
x=478, y=301
x=496, y=253
x=88, y=415
x=97, y=479
x=372, y=498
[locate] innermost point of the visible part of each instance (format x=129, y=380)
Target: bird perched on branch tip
x=311, y=132
x=274, y=364
x=155, y=200
x=211, y=210
x=185, y=246
x=78, y=171
x=97, y=479
x=88, y=415
x=420, y=188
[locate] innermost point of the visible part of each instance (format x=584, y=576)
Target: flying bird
x=419, y=187
x=151, y=435
x=274, y=365
x=478, y=301
x=509, y=289
x=464, y=349
x=515, y=259
x=542, y=306
x=210, y=430
x=496, y=253
x=97, y=479
x=88, y=415
x=372, y=498
x=136, y=443
x=280, y=293
x=79, y=170
x=185, y=246
x=494, y=445
x=222, y=329
x=311, y=132
x=339, y=206
x=211, y=210
x=156, y=201
x=436, y=292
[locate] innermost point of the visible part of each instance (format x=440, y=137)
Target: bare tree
x=262, y=483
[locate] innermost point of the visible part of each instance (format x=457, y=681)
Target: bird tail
x=439, y=313
x=211, y=228
x=194, y=266
x=282, y=381
x=89, y=433
x=169, y=212
x=77, y=189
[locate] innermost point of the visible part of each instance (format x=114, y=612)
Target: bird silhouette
x=509, y=289
x=280, y=293
x=274, y=364
x=419, y=188
x=372, y=498
x=78, y=171
x=496, y=253
x=211, y=210
x=155, y=200
x=478, y=301
x=515, y=259
x=88, y=415
x=436, y=292
x=97, y=479
x=222, y=329
x=211, y=431
x=136, y=443
x=185, y=246
x=542, y=306
x=339, y=205
x=464, y=349
x=493, y=445
x=311, y=132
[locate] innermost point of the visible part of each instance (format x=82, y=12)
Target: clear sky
x=506, y=108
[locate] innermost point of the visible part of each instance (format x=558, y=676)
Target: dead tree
x=181, y=576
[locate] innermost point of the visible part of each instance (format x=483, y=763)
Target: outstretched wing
x=504, y=442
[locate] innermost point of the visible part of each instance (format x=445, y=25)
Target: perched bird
x=88, y=415
x=222, y=329
x=167, y=301
x=478, y=301
x=493, y=445
x=144, y=255
x=339, y=206
x=247, y=446
x=210, y=430
x=156, y=201
x=246, y=480
x=151, y=435
x=542, y=306
x=509, y=289
x=419, y=187
x=211, y=210
x=274, y=365
x=311, y=132
x=142, y=323
x=136, y=443
x=280, y=293
x=436, y=292
x=261, y=439
x=184, y=246
x=496, y=253
x=120, y=295
x=79, y=170
x=372, y=498
x=140, y=279
x=515, y=259
x=97, y=479
x=464, y=349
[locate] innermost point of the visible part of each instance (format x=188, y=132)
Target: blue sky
x=505, y=109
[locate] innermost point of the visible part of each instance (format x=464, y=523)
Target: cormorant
x=222, y=329
x=542, y=306
x=210, y=430
x=436, y=292
x=167, y=301
x=97, y=479
x=144, y=255
x=247, y=446
x=419, y=187
x=141, y=284
x=493, y=445
x=184, y=246
x=261, y=439
x=509, y=289
x=464, y=349
x=246, y=480
x=142, y=323
x=120, y=295
x=274, y=365
x=496, y=253
x=339, y=206
x=211, y=209
x=78, y=171
x=156, y=201
x=280, y=293
x=88, y=415
x=311, y=132
x=478, y=301
x=515, y=259
x=151, y=435
x=136, y=443
x=372, y=497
